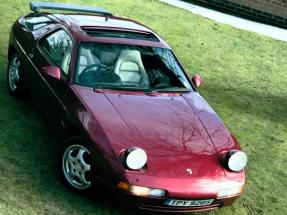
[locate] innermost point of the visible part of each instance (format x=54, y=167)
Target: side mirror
x=197, y=81
x=52, y=71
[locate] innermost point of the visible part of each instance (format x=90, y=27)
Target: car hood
x=178, y=132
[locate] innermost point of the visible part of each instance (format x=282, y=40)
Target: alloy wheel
x=76, y=167
x=13, y=73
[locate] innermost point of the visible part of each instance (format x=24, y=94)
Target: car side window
x=58, y=47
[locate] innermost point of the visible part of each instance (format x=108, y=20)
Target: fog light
x=229, y=192
x=141, y=191
x=157, y=192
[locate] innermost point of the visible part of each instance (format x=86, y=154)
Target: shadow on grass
x=28, y=164
x=261, y=104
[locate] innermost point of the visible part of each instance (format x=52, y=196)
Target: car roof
x=78, y=22
x=104, y=21
x=92, y=23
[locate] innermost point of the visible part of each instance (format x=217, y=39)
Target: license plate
x=188, y=203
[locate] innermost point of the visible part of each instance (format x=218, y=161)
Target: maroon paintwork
x=177, y=131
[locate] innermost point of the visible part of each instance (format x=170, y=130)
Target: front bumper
x=152, y=204
x=184, y=189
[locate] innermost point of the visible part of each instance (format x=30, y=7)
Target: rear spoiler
x=36, y=6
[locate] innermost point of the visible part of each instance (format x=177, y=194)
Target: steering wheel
x=161, y=85
x=91, y=70
x=97, y=66
x=90, y=76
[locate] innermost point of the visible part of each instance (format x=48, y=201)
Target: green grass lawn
x=245, y=80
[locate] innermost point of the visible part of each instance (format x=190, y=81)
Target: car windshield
x=129, y=67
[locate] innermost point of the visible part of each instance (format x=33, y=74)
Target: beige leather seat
x=130, y=68
x=85, y=60
x=65, y=64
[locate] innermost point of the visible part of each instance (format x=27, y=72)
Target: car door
x=53, y=49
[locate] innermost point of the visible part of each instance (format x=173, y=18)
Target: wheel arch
x=73, y=131
x=11, y=51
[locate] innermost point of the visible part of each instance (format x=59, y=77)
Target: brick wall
x=273, y=12
x=277, y=7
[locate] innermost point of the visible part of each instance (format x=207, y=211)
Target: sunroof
x=121, y=34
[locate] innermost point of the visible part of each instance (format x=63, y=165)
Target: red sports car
x=129, y=115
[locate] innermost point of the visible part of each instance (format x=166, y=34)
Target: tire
x=15, y=77
x=75, y=166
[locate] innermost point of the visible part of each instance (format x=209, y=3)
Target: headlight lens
x=237, y=161
x=136, y=158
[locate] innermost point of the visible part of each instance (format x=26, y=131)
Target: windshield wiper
x=119, y=87
x=170, y=89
